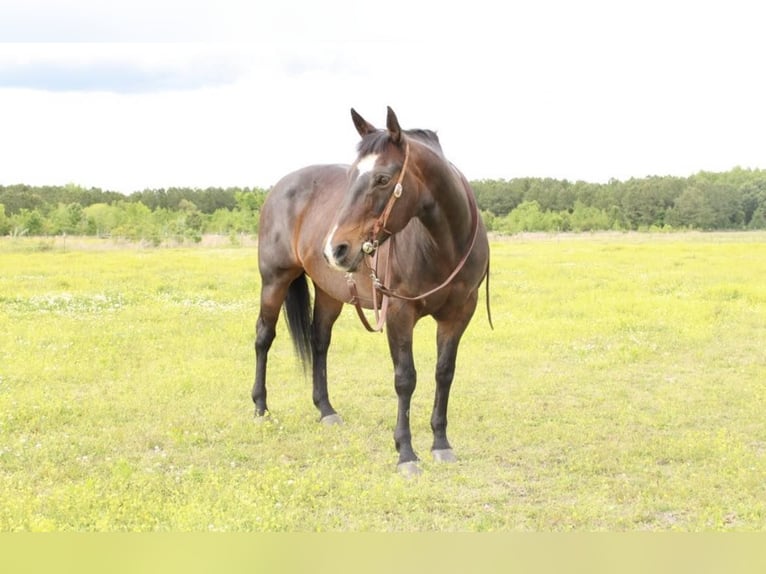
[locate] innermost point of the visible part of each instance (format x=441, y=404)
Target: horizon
x=736, y=168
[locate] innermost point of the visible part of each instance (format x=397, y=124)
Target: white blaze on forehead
x=367, y=164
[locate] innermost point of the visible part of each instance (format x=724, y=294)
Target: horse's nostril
x=340, y=251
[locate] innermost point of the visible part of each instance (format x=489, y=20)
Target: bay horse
x=400, y=207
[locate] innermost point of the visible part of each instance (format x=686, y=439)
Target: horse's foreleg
x=448, y=336
x=445, y=372
x=405, y=380
x=326, y=311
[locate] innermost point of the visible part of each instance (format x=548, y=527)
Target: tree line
x=707, y=201
x=153, y=215
x=730, y=200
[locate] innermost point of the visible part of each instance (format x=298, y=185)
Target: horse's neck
x=449, y=221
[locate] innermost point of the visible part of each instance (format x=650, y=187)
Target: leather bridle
x=371, y=245
x=370, y=248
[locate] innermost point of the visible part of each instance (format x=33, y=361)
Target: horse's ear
x=362, y=125
x=392, y=123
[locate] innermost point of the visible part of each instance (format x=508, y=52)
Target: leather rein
x=370, y=249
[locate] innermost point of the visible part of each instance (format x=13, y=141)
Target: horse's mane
x=377, y=141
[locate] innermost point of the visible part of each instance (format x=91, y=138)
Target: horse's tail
x=298, y=314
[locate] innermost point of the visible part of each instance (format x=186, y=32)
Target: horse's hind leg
x=273, y=294
x=326, y=311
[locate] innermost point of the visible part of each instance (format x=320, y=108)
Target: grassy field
x=623, y=388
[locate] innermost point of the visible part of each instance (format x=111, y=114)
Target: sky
x=158, y=93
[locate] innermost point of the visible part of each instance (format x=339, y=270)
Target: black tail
x=298, y=314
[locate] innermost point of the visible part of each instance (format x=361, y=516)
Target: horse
x=397, y=232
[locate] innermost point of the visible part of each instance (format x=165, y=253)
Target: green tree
x=489, y=219
x=645, y=202
x=753, y=195
x=67, y=218
x=190, y=221
x=135, y=222
x=551, y=194
x=5, y=222
x=249, y=200
x=587, y=218
x=499, y=196
x=225, y=221
x=526, y=217
x=28, y=222
x=101, y=218
x=758, y=220
x=692, y=210
x=249, y=206
x=18, y=197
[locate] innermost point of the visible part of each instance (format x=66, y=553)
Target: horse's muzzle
x=342, y=258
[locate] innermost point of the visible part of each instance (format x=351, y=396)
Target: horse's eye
x=382, y=179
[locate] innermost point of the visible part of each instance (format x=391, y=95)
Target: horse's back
x=299, y=207
x=291, y=195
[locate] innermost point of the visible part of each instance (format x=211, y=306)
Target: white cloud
x=117, y=68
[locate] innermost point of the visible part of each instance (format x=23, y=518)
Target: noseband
x=370, y=248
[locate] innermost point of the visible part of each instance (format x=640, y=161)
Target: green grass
x=622, y=389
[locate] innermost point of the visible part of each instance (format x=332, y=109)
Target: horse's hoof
x=409, y=469
x=331, y=420
x=444, y=455
x=262, y=418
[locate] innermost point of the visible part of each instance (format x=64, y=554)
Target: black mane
x=377, y=141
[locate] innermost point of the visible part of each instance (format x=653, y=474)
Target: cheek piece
x=371, y=245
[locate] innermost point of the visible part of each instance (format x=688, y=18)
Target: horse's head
x=382, y=194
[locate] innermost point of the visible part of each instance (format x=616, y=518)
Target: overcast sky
x=158, y=93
